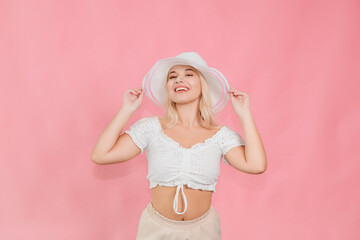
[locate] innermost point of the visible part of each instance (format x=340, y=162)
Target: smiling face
x=186, y=77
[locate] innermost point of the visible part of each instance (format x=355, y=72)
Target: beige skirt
x=153, y=225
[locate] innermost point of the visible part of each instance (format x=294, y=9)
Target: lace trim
x=162, y=133
x=175, y=221
x=189, y=185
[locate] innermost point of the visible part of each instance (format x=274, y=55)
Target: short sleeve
x=140, y=132
x=228, y=140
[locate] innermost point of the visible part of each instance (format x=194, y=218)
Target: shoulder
x=229, y=135
x=145, y=123
x=226, y=134
x=147, y=119
x=227, y=130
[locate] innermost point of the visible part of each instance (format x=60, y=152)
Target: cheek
x=197, y=84
x=168, y=87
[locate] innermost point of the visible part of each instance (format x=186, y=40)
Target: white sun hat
x=154, y=81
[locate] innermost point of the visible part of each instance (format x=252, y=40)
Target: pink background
x=64, y=66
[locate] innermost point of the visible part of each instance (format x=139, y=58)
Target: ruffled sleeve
x=140, y=132
x=228, y=140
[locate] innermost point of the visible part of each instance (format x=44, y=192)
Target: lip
x=181, y=86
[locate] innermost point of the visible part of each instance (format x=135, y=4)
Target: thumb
x=141, y=95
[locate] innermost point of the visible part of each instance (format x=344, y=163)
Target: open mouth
x=181, y=89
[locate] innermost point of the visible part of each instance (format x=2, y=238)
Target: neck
x=189, y=114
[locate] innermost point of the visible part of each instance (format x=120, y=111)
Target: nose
x=178, y=79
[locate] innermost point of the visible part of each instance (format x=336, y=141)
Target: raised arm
x=113, y=147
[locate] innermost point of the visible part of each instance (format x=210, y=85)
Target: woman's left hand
x=240, y=101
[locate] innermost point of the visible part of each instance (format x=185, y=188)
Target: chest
x=187, y=138
x=201, y=158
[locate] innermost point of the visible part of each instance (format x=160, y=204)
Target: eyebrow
x=185, y=70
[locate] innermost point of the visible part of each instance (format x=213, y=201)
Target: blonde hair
x=205, y=112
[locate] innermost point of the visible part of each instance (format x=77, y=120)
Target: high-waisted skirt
x=154, y=226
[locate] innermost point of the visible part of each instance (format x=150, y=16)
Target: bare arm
x=110, y=135
x=111, y=146
x=250, y=158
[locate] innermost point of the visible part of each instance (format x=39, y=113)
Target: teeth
x=180, y=88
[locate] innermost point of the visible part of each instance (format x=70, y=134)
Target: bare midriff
x=198, y=202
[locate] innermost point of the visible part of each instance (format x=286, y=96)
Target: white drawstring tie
x=176, y=198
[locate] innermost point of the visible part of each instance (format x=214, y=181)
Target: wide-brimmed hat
x=154, y=81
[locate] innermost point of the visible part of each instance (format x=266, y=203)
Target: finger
x=239, y=93
x=234, y=90
x=134, y=92
x=134, y=89
x=139, y=90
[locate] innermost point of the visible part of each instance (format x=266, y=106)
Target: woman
x=184, y=148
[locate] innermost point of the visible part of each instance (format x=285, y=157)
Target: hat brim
x=154, y=82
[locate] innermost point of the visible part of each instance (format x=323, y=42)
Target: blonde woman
x=184, y=148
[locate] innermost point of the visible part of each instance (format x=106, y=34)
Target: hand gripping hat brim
x=154, y=82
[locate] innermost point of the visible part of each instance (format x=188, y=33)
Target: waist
x=198, y=202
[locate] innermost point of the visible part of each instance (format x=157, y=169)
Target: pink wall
x=64, y=66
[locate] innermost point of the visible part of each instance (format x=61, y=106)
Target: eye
x=185, y=75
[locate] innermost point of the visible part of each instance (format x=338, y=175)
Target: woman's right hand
x=132, y=99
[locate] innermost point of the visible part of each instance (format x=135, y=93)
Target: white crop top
x=170, y=164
